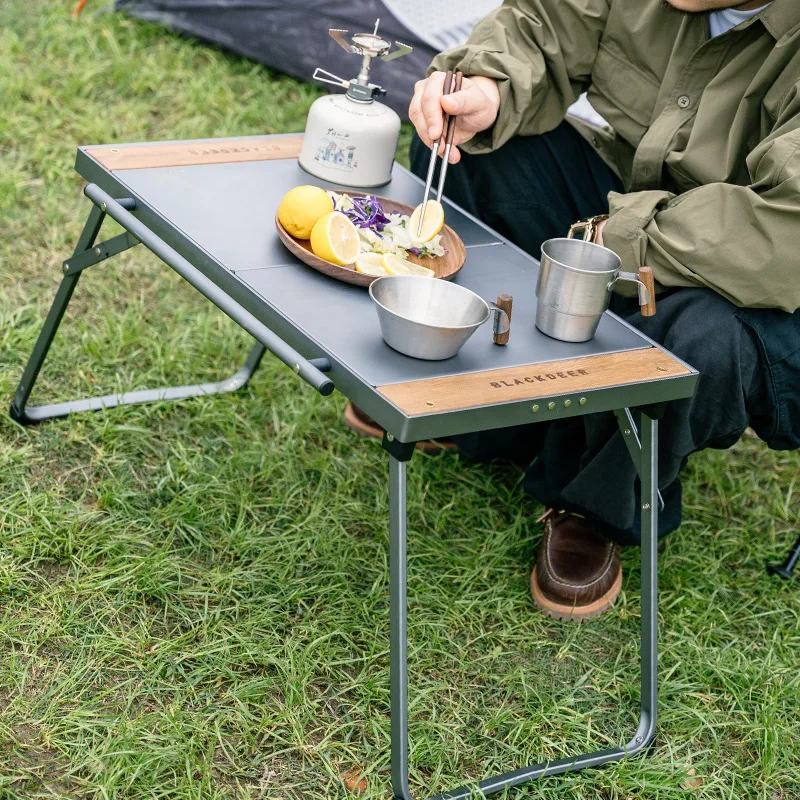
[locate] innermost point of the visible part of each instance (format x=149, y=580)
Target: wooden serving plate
x=444, y=267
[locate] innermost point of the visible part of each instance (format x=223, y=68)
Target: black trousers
x=531, y=189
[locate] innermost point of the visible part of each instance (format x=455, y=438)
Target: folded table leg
x=28, y=416
x=648, y=653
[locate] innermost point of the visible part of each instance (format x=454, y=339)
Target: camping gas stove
x=351, y=138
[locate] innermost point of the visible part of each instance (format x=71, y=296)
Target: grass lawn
x=193, y=597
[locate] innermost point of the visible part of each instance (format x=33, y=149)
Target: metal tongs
x=452, y=82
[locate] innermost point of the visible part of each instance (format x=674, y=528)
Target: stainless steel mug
x=574, y=288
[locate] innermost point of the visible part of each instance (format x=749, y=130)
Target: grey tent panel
x=292, y=36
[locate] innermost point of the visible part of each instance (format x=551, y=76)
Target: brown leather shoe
x=577, y=575
x=358, y=421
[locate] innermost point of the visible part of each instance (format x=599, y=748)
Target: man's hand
x=475, y=107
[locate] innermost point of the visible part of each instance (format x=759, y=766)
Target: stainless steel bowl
x=425, y=317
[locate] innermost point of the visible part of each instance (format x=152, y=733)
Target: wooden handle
x=446, y=89
x=504, y=301
x=646, y=277
x=448, y=80
x=438, y=145
x=451, y=120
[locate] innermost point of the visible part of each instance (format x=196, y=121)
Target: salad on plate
x=387, y=238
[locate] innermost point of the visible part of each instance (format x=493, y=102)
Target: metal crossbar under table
x=204, y=209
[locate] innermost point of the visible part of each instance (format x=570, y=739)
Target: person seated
x=698, y=171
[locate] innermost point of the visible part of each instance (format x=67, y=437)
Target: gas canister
x=352, y=138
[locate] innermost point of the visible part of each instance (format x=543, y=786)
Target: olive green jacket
x=706, y=132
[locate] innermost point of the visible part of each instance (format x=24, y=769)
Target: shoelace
x=550, y=511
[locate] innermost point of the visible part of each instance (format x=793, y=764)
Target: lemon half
x=335, y=239
x=301, y=207
x=431, y=225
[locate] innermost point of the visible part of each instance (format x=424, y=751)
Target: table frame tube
x=88, y=254
x=645, y=732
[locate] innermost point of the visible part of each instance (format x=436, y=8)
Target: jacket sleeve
x=541, y=52
x=741, y=241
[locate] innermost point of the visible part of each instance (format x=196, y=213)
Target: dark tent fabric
x=292, y=37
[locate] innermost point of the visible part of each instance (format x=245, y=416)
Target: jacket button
x=684, y=101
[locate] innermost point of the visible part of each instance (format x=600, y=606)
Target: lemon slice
x=395, y=265
x=370, y=264
x=335, y=239
x=416, y=269
x=431, y=225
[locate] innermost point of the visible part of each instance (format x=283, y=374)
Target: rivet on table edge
x=97, y=251
x=534, y=409
x=66, y=266
x=551, y=405
x=567, y=403
x=296, y=368
x=646, y=507
x=582, y=401
x=390, y=437
x=627, y=431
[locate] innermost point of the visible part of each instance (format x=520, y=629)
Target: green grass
x=193, y=597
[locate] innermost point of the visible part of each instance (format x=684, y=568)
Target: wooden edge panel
x=529, y=382
x=185, y=154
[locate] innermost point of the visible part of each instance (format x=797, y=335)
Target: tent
x=292, y=36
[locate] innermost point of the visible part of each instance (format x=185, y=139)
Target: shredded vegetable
x=380, y=232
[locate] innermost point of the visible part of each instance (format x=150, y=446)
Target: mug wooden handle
x=646, y=277
x=504, y=301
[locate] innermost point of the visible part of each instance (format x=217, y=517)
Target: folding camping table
x=206, y=208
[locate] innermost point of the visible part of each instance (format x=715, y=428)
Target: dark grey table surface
x=228, y=210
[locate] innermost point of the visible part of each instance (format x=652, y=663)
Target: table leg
x=786, y=570
x=398, y=616
x=53, y=319
x=645, y=731
x=28, y=416
x=630, y=434
x=649, y=521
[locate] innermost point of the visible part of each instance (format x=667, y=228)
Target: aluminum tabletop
x=219, y=215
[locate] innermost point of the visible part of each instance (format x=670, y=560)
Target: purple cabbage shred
x=367, y=212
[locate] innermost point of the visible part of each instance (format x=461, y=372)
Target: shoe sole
x=574, y=613
x=362, y=428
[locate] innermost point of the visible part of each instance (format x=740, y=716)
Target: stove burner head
x=370, y=44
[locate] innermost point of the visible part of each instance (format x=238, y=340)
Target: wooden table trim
x=533, y=381
x=185, y=154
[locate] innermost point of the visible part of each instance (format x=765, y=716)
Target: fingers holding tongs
x=452, y=83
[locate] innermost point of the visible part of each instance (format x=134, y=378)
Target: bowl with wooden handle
x=431, y=320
